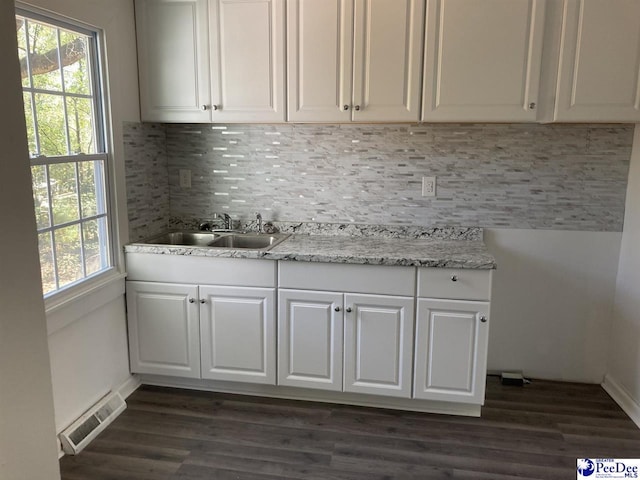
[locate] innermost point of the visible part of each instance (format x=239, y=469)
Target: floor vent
x=89, y=425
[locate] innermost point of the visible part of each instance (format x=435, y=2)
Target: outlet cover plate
x=428, y=186
x=185, y=178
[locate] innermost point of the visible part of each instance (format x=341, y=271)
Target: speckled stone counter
x=379, y=246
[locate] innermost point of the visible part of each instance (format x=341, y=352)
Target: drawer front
x=336, y=277
x=460, y=284
x=201, y=270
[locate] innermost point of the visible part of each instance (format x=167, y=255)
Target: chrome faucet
x=259, y=218
x=227, y=221
x=209, y=226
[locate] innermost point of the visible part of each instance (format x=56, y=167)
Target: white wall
x=552, y=298
x=89, y=355
x=26, y=403
x=623, y=375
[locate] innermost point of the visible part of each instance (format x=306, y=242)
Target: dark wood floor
x=531, y=432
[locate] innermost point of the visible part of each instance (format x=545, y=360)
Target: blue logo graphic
x=586, y=467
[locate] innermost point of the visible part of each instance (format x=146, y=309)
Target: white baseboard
x=129, y=386
x=622, y=397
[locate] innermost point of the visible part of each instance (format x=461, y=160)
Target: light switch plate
x=428, y=186
x=185, y=178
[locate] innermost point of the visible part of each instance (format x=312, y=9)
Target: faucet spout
x=259, y=219
x=227, y=221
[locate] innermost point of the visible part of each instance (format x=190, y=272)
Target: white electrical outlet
x=185, y=178
x=428, y=186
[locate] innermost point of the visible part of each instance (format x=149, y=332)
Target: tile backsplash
x=147, y=179
x=569, y=177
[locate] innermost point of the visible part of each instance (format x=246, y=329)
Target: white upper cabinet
x=482, y=60
x=354, y=60
x=247, y=57
x=387, y=59
x=319, y=56
x=173, y=56
x=599, y=71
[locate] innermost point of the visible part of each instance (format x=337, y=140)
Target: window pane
x=68, y=254
x=73, y=49
x=96, y=257
x=51, y=128
x=21, y=30
x=64, y=192
x=92, y=188
x=40, y=195
x=46, y=263
x=28, y=117
x=45, y=67
x=80, y=118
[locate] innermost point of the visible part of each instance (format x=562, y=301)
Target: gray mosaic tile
x=146, y=179
x=569, y=177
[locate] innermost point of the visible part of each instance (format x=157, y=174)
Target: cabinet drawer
x=461, y=284
x=201, y=270
x=336, y=277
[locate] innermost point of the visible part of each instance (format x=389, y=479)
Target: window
x=66, y=134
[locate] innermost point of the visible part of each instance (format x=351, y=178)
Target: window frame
x=103, y=137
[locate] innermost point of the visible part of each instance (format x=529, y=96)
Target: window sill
x=64, y=309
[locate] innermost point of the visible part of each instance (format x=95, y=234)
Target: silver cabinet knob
x=454, y=278
x=202, y=300
x=348, y=309
x=345, y=108
x=532, y=106
x=483, y=319
x=204, y=107
x=357, y=107
x=216, y=107
x=337, y=309
x=192, y=300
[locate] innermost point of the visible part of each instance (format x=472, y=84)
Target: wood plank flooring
x=531, y=432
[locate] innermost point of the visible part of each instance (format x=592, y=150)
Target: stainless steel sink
x=226, y=240
x=249, y=241
x=191, y=239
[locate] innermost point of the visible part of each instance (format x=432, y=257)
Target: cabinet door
x=173, y=60
x=320, y=60
x=237, y=332
x=451, y=350
x=388, y=43
x=378, y=345
x=482, y=60
x=247, y=53
x=599, y=72
x=310, y=337
x=163, y=329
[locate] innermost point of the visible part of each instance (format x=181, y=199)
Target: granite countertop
x=385, y=248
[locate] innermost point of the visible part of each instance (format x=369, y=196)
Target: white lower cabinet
x=211, y=332
x=310, y=338
x=237, y=334
x=451, y=350
x=378, y=339
x=376, y=342
x=163, y=329
x=375, y=335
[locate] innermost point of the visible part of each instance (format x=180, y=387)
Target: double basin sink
x=226, y=240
